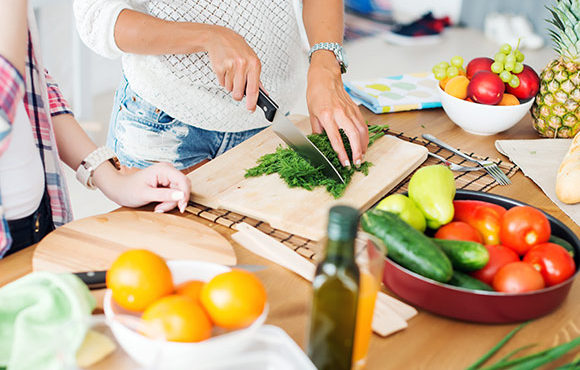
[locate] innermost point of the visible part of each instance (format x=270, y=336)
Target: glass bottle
x=335, y=294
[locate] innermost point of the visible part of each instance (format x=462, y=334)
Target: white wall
x=405, y=11
x=91, y=75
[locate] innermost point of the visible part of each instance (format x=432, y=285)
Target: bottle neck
x=340, y=250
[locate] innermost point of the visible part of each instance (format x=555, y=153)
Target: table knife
x=98, y=279
x=294, y=138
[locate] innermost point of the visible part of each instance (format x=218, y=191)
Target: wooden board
x=221, y=184
x=94, y=242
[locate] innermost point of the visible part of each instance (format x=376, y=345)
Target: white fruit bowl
x=482, y=119
x=158, y=353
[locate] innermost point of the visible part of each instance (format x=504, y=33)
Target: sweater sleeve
x=11, y=92
x=95, y=20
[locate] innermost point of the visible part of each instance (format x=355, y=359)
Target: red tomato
x=499, y=256
x=458, y=230
x=522, y=227
x=517, y=277
x=483, y=216
x=552, y=261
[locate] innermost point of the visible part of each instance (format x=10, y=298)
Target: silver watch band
x=336, y=48
x=88, y=166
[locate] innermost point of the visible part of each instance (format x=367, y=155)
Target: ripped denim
x=141, y=135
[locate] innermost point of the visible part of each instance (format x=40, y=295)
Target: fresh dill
x=298, y=172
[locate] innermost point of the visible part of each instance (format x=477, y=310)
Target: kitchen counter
x=430, y=341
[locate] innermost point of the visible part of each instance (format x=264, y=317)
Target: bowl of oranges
x=488, y=96
x=190, y=312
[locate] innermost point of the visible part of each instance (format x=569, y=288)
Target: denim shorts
x=142, y=135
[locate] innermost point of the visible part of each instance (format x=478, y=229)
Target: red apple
x=485, y=88
x=529, y=84
x=476, y=65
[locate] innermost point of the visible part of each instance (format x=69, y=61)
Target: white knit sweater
x=184, y=86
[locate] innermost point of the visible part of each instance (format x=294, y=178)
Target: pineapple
x=556, y=111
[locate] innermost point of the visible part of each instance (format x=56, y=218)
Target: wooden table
x=430, y=341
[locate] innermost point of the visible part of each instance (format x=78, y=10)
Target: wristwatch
x=92, y=161
x=336, y=48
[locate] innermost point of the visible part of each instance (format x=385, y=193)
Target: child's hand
x=159, y=183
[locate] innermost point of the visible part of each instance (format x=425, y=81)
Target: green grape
x=518, y=67
x=452, y=71
x=499, y=57
x=438, y=68
x=519, y=56
x=509, y=66
x=510, y=58
x=514, y=82
x=457, y=61
x=505, y=48
x=440, y=74
x=505, y=76
x=443, y=65
x=497, y=67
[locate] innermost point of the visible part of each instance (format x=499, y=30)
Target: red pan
x=480, y=306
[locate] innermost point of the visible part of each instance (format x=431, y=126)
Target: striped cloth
x=42, y=100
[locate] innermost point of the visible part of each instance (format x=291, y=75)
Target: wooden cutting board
x=93, y=243
x=221, y=184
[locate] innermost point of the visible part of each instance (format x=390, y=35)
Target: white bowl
x=152, y=353
x=482, y=119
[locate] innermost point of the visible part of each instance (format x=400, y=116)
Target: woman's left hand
x=331, y=109
x=159, y=183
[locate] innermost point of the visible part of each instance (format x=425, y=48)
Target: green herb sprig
x=528, y=362
x=298, y=172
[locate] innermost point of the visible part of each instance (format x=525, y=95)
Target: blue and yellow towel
x=396, y=93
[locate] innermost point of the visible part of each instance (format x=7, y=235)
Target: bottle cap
x=342, y=223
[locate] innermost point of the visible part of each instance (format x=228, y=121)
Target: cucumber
x=406, y=246
x=464, y=255
x=459, y=279
x=564, y=243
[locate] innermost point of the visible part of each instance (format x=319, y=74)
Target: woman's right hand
x=235, y=64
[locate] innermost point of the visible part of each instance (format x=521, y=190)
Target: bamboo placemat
x=474, y=180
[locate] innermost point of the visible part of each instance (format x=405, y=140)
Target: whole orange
x=138, y=278
x=191, y=288
x=234, y=299
x=179, y=317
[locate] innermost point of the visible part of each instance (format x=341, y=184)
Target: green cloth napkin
x=43, y=320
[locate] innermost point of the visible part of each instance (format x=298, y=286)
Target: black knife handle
x=267, y=105
x=93, y=279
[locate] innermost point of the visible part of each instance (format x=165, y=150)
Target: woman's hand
x=235, y=64
x=159, y=183
x=332, y=109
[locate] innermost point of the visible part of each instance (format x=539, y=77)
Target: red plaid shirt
x=42, y=100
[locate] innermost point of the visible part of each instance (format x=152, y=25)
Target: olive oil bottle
x=335, y=294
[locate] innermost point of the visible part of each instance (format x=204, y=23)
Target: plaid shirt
x=42, y=100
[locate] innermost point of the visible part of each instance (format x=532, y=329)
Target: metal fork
x=489, y=166
x=454, y=166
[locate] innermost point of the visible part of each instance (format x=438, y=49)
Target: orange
x=457, y=87
x=191, y=288
x=234, y=299
x=138, y=278
x=443, y=82
x=180, y=319
x=509, y=99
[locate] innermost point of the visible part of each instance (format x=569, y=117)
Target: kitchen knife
x=98, y=279
x=294, y=138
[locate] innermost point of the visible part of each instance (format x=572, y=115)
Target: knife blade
x=294, y=138
x=98, y=279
